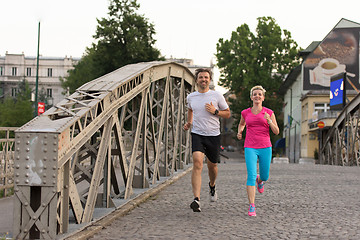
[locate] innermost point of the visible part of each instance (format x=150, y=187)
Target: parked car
x=229, y=148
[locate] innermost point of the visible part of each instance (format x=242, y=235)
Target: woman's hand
x=267, y=117
x=239, y=135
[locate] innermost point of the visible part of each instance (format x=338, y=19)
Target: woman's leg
x=251, y=163
x=265, y=155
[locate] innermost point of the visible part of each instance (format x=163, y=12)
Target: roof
x=290, y=79
x=294, y=73
x=349, y=92
x=309, y=49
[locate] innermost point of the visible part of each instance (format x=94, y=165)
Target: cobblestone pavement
x=301, y=201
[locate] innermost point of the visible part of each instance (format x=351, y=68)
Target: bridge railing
x=7, y=146
x=342, y=143
x=65, y=159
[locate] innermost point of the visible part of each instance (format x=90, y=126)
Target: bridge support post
x=35, y=200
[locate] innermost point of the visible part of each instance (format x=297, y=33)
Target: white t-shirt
x=205, y=123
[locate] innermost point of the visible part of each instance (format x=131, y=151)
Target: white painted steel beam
x=101, y=135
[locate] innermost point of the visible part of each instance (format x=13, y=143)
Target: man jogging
x=205, y=107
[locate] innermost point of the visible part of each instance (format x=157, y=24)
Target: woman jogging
x=257, y=120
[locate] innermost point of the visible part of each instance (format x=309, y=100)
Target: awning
x=280, y=143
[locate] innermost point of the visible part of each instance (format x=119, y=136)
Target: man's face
x=203, y=80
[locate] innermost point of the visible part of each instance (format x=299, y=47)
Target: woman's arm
x=241, y=127
x=273, y=124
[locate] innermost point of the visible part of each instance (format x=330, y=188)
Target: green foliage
x=249, y=59
x=42, y=97
x=316, y=154
x=123, y=38
x=9, y=192
x=15, y=112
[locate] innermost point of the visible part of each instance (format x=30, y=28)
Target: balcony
x=324, y=115
x=327, y=117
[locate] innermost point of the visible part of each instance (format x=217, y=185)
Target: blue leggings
x=251, y=157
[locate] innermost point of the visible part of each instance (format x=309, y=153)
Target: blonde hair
x=258, y=87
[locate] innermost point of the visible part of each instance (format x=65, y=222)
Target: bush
x=316, y=154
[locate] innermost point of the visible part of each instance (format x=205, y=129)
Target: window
x=1, y=71
x=321, y=107
x=49, y=72
x=14, y=92
x=49, y=92
x=305, y=112
x=28, y=72
x=13, y=71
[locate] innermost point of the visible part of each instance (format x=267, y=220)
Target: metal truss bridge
x=118, y=132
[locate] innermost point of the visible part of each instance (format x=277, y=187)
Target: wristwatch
x=216, y=112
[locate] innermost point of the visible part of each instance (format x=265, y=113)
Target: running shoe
x=260, y=186
x=195, y=206
x=252, y=210
x=212, y=193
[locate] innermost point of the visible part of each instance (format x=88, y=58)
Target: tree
x=42, y=97
x=123, y=38
x=15, y=112
x=249, y=59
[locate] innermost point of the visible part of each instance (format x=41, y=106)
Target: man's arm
x=221, y=113
x=188, y=124
x=224, y=113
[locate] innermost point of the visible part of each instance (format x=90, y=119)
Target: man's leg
x=213, y=171
x=198, y=158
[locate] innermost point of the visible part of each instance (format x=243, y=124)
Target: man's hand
x=187, y=126
x=210, y=108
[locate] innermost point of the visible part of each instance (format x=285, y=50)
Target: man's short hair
x=199, y=70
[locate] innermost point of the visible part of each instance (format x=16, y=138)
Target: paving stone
x=301, y=201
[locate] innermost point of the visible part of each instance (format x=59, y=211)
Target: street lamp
x=37, y=75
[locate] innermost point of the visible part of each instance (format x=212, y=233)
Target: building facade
x=307, y=93
x=17, y=67
x=189, y=63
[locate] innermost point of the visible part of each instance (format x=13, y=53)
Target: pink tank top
x=257, y=129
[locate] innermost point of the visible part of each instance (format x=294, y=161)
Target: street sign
x=41, y=108
x=321, y=124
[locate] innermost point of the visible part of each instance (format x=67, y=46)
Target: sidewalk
x=6, y=216
x=301, y=201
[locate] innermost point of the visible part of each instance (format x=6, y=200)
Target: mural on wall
x=337, y=53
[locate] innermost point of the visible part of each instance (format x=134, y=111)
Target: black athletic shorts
x=209, y=145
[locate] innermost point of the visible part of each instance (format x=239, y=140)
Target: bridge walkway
x=301, y=201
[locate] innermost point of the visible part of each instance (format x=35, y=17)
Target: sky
x=184, y=28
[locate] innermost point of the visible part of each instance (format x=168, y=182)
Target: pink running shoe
x=252, y=210
x=260, y=186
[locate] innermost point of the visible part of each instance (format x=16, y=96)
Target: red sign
x=41, y=108
x=321, y=124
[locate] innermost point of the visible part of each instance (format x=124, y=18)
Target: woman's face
x=257, y=96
